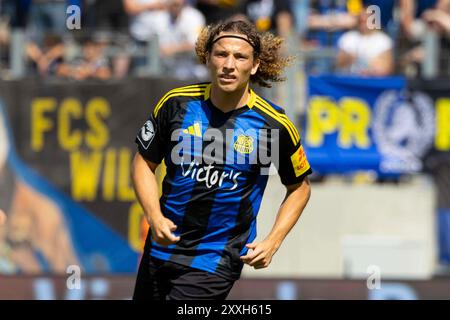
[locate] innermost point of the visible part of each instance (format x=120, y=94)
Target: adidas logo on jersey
x=194, y=130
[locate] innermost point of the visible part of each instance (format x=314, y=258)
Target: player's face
x=231, y=63
x=363, y=28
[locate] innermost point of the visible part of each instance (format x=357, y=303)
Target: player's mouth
x=227, y=78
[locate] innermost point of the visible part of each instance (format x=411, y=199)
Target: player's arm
x=407, y=17
x=294, y=203
x=134, y=7
x=152, y=141
x=146, y=188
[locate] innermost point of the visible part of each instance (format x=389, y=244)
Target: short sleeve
x=383, y=43
x=293, y=163
x=348, y=42
x=151, y=139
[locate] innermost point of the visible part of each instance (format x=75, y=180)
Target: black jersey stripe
x=238, y=237
x=184, y=93
x=273, y=116
x=191, y=88
x=281, y=115
x=263, y=106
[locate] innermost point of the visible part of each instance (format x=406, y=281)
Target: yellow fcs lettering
x=69, y=109
x=97, y=110
x=40, y=123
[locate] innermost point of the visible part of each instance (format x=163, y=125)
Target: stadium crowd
x=116, y=36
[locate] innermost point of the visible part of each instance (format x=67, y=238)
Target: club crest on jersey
x=146, y=134
x=244, y=144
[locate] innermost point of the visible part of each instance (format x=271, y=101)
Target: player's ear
x=255, y=67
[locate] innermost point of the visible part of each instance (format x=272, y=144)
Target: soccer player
x=213, y=138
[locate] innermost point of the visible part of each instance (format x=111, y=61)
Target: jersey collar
x=250, y=101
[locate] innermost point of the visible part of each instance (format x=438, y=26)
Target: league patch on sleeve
x=146, y=134
x=299, y=162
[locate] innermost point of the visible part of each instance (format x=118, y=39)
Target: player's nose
x=229, y=62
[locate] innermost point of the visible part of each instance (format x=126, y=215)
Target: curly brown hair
x=266, y=48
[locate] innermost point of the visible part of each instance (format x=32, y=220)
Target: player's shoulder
x=271, y=104
x=269, y=110
x=276, y=118
x=194, y=86
x=181, y=95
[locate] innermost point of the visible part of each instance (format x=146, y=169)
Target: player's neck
x=229, y=101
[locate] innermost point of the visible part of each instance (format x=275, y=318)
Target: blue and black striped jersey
x=217, y=169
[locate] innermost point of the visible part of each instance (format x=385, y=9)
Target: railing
x=18, y=60
x=153, y=65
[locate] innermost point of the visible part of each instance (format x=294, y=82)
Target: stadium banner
x=65, y=156
x=377, y=124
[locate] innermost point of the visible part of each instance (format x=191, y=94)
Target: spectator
x=217, y=10
x=365, y=51
x=16, y=11
x=106, y=15
x=439, y=20
x=47, y=61
x=147, y=18
x=121, y=60
x=386, y=11
x=177, y=42
x=48, y=16
x=413, y=26
x=13, y=15
x=436, y=18
x=439, y=17
x=110, y=18
x=270, y=15
x=327, y=21
x=92, y=65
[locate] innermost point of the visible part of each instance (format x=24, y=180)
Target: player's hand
x=260, y=255
x=162, y=232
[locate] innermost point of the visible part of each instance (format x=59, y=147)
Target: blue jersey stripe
x=225, y=211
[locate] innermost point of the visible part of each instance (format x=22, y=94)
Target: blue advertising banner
x=374, y=124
